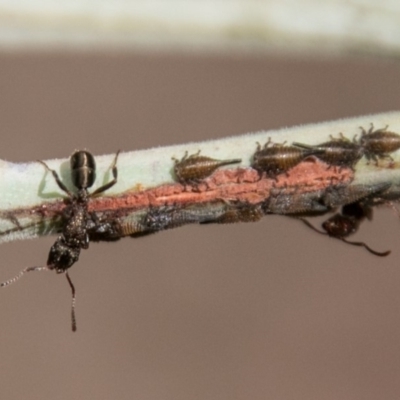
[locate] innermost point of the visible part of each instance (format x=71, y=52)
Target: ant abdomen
x=83, y=169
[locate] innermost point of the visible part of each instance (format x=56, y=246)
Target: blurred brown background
x=268, y=310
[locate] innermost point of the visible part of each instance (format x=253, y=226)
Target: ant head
x=340, y=226
x=83, y=169
x=61, y=256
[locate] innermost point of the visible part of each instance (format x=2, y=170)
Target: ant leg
x=362, y=244
x=115, y=176
x=73, y=318
x=310, y=225
x=14, y=220
x=57, y=179
x=21, y=273
x=100, y=226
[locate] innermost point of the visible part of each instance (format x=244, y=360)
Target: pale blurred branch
x=297, y=26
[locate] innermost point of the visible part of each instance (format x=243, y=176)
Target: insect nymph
x=379, y=143
x=340, y=152
x=77, y=221
x=275, y=158
x=191, y=170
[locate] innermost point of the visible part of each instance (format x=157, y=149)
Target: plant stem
x=31, y=203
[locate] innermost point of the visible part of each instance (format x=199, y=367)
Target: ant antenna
x=73, y=318
x=30, y=269
x=23, y=272
x=362, y=244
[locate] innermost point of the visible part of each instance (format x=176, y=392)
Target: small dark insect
x=340, y=152
x=77, y=221
x=275, y=158
x=344, y=224
x=173, y=216
x=294, y=204
x=239, y=212
x=113, y=226
x=194, y=168
x=168, y=217
x=339, y=195
x=379, y=143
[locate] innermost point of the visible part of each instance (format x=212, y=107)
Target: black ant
x=344, y=224
x=78, y=222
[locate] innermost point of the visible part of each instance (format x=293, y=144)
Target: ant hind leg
x=73, y=318
x=114, y=171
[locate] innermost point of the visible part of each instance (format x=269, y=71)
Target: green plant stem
x=31, y=202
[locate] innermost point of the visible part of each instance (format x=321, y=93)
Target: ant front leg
x=57, y=179
x=114, y=171
x=310, y=225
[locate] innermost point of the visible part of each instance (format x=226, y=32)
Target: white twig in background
x=297, y=26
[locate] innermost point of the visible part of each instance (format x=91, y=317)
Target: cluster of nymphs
x=274, y=159
x=79, y=225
